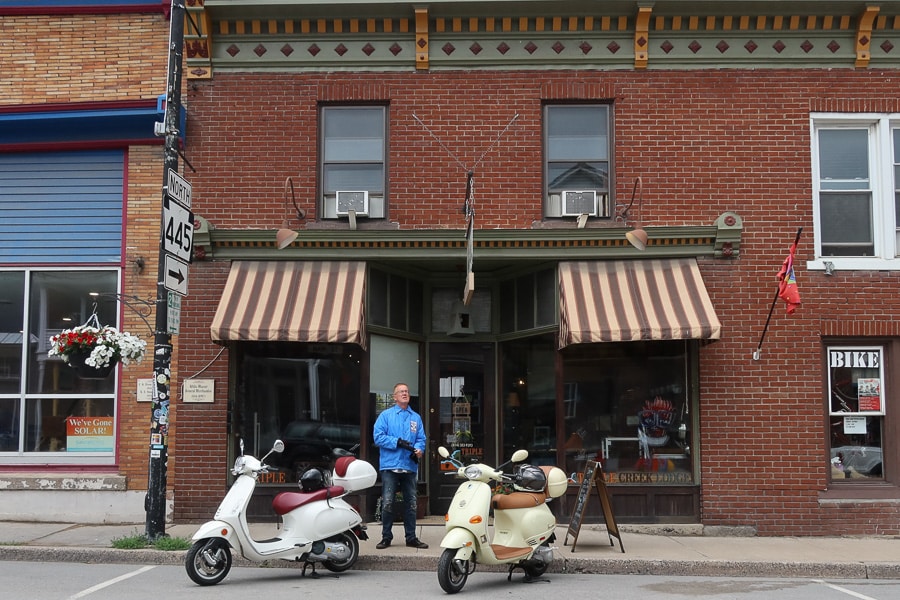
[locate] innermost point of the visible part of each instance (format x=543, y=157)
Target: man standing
x=400, y=437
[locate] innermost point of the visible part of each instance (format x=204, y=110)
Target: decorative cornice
x=629, y=35
x=720, y=240
x=864, y=36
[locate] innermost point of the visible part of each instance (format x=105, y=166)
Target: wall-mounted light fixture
x=637, y=236
x=829, y=268
x=285, y=236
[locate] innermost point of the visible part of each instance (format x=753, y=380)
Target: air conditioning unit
x=576, y=203
x=358, y=202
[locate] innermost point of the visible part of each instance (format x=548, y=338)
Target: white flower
x=107, y=345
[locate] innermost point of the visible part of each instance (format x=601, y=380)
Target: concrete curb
x=412, y=562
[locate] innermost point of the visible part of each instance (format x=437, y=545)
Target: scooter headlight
x=473, y=472
x=238, y=466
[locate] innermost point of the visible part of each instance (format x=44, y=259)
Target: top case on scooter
x=557, y=482
x=353, y=474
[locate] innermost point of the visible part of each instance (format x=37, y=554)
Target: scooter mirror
x=443, y=452
x=520, y=455
x=278, y=446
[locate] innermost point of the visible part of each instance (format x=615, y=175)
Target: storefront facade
x=495, y=158
x=80, y=173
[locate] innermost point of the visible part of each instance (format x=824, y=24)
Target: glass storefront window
x=47, y=413
x=628, y=407
x=307, y=395
x=857, y=409
x=529, y=398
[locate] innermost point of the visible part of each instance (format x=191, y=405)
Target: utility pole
x=155, y=501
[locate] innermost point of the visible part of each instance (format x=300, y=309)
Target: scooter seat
x=285, y=502
x=518, y=500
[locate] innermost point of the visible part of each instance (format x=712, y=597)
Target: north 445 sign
x=178, y=230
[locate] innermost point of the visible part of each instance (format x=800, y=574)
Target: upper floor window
x=856, y=160
x=577, y=167
x=353, y=161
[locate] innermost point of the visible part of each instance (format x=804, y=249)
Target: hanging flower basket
x=78, y=361
x=94, y=350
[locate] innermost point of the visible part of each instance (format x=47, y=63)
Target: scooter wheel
x=208, y=561
x=349, y=539
x=451, y=576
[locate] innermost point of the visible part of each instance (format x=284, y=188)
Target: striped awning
x=293, y=301
x=633, y=300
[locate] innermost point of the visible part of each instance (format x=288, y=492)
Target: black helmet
x=312, y=480
x=530, y=479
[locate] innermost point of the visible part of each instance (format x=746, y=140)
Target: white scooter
x=318, y=526
x=523, y=523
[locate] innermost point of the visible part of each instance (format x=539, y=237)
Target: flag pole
x=758, y=352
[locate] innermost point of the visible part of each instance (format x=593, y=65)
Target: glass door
x=462, y=415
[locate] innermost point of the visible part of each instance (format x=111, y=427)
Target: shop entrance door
x=462, y=415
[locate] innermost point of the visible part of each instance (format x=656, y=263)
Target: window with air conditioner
x=353, y=161
x=856, y=161
x=577, y=164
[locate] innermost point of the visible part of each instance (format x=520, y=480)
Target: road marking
x=845, y=590
x=106, y=584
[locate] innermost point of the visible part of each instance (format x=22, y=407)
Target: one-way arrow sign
x=176, y=275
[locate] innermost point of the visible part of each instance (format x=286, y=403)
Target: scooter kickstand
x=307, y=563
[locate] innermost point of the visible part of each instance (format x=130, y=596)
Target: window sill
x=854, y=264
x=853, y=493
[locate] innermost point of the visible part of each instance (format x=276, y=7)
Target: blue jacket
x=392, y=424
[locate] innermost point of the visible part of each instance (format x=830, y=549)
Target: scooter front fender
x=215, y=529
x=462, y=539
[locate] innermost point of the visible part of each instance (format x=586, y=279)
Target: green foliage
x=139, y=541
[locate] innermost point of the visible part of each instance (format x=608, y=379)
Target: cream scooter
x=319, y=526
x=523, y=523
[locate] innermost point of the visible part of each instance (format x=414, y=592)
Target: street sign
x=178, y=188
x=178, y=230
x=176, y=275
x=174, y=313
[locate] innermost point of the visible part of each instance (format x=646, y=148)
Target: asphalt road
x=73, y=581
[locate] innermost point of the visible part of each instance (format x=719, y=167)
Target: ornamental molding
x=221, y=36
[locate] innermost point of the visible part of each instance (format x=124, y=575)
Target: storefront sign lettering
x=89, y=434
x=859, y=359
x=648, y=477
x=273, y=477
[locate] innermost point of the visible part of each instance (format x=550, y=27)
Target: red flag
x=787, y=286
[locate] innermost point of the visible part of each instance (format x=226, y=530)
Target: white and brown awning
x=293, y=301
x=633, y=300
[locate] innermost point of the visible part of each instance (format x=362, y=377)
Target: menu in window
x=869, y=390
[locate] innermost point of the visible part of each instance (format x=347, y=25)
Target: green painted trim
x=720, y=240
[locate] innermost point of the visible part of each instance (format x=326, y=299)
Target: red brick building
x=393, y=137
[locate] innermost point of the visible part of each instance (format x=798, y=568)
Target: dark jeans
x=406, y=483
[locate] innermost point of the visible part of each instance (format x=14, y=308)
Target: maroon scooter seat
x=285, y=502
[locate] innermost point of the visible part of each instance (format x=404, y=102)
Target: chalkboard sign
x=593, y=478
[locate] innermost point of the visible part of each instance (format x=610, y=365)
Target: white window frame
x=23, y=396
x=881, y=127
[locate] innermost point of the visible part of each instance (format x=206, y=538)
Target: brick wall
x=703, y=143
x=82, y=58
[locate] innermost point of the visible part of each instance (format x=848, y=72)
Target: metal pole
x=155, y=501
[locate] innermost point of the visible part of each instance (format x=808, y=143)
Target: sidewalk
x=656, y=550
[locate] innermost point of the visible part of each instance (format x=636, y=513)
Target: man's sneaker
x=416, y=543
x=383, y=544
